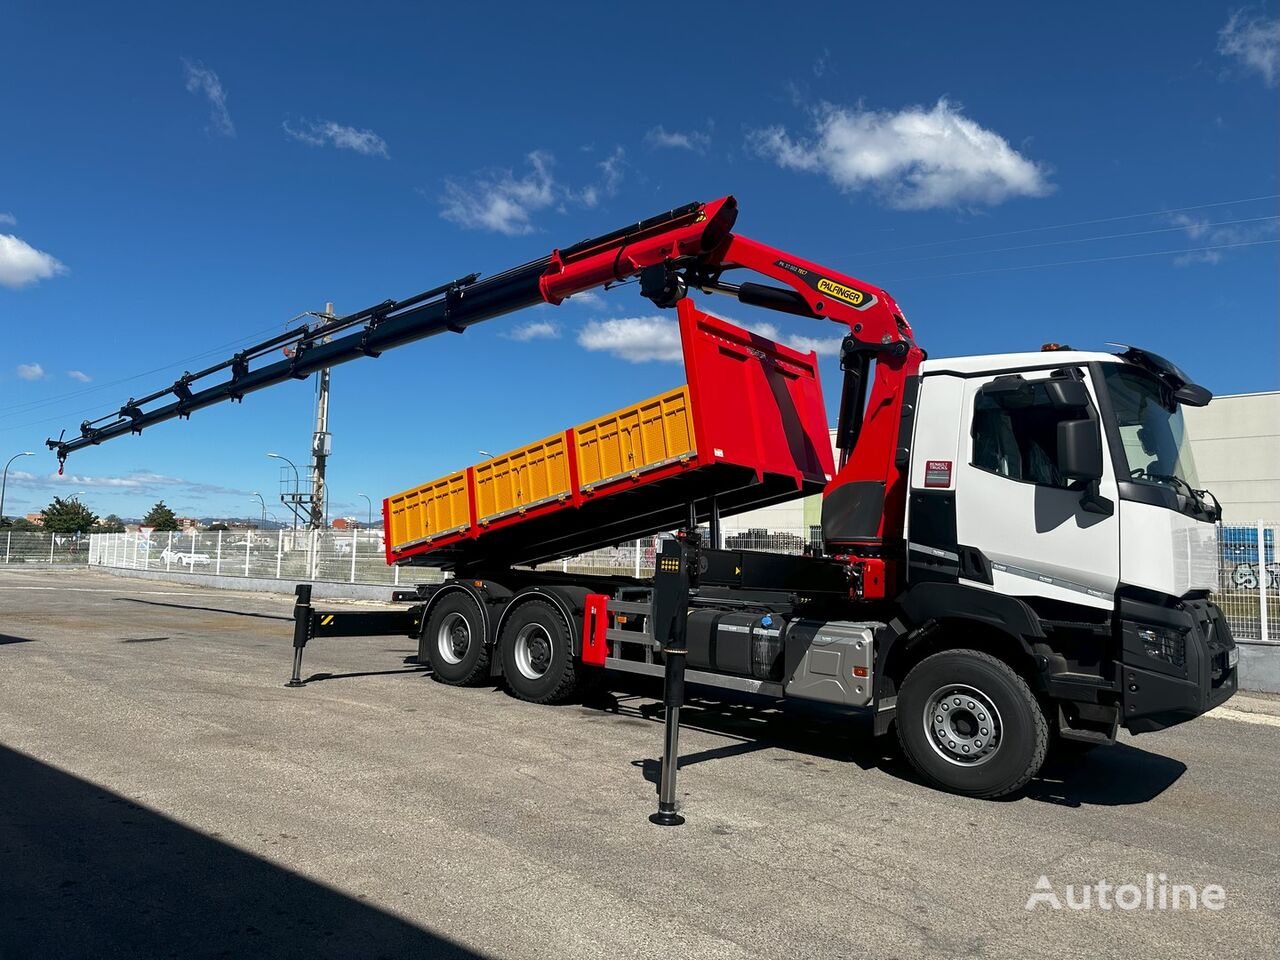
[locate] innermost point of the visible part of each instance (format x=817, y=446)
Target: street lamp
x=264, y=506
x=293, y=508
x=4, y=482
x=370, y=503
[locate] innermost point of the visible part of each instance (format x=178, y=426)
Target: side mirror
x=1079, y=449
x=1067, y=394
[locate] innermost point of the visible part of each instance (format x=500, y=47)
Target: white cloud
x=917, y=158
x=8, y=219
x=30, y=371
x=79, y=375
x=320, y=133
x=501, y=201
x=535, y=330
x=693, y=140
x=588, y=298
x=142, y=481
x=1254, y=41
x=655, y=337
x=1208, y=234
x=22, y=264
x=611, y=168
x=634, y=339
x=202, y=80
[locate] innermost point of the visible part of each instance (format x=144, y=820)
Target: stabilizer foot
x=666, y=818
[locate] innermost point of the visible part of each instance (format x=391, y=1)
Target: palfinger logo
x=1156, y=893
x=838, y=290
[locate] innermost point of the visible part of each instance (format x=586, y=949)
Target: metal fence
x=1248, y=572
x=38, y=547
x=355, y=556
x=1249, y=581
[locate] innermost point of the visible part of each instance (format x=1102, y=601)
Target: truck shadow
x=188, y=606
x=1118, y=775
x=89, y=873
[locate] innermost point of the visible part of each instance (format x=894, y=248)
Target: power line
x=1064, y=226
x=30, y=405
x=1063, y=263
x=1055, y=243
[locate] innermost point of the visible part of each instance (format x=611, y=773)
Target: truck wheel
x=970, y=724
x=537, y=654
x=455, y=641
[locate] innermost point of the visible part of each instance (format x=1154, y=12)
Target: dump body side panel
x=749, y=429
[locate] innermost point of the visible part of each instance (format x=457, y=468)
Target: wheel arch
x=943, y=616
x=569, y=601
x=483, y=593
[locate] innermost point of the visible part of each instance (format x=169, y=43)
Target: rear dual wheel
x=536, y=648
x=455, y=641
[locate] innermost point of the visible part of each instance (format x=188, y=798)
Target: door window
x=1015, y=435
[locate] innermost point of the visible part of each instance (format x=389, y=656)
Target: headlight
x=1167, y=645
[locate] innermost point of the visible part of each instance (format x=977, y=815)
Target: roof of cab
x=993, y=363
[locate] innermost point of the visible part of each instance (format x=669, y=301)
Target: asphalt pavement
x=162, y=794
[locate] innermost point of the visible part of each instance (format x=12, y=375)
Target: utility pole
x=321, y=442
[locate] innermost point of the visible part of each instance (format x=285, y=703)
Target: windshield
x=1151, y=427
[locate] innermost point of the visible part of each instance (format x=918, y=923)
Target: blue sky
x=174, y=182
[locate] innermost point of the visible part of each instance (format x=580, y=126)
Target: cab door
x=1030, y=527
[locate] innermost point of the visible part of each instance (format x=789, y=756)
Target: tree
x=68, y=516
x=22, y=523
x=161, y=518
x=109, y=524
x=219, y=527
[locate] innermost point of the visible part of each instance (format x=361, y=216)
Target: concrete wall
x=1236, y=444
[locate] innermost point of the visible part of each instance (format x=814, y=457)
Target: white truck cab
x=1054, y=495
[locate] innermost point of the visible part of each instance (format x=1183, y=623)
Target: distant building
x=1235, y=441
x=346, y=523
x=36, y=518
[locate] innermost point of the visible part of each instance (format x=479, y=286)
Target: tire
x=455, y=640
x=970, y=725
x=537, y=654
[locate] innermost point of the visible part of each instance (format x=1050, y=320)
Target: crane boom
x=689, y=248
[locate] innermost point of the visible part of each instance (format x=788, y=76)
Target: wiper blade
x=1197, y=496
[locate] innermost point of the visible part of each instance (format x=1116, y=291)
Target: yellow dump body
x=747, y=429
x=429, y=511
x=524, y=478
x=635, y=439
x=559, y=468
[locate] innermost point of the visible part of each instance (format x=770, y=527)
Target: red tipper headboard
x=755, y=402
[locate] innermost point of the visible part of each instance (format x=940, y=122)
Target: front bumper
x=1178, y=661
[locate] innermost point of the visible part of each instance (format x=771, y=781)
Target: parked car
x=187, y=559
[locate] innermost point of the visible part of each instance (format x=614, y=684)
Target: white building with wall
x=1236, y=444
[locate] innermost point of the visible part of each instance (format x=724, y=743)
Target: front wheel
x=970, y=724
